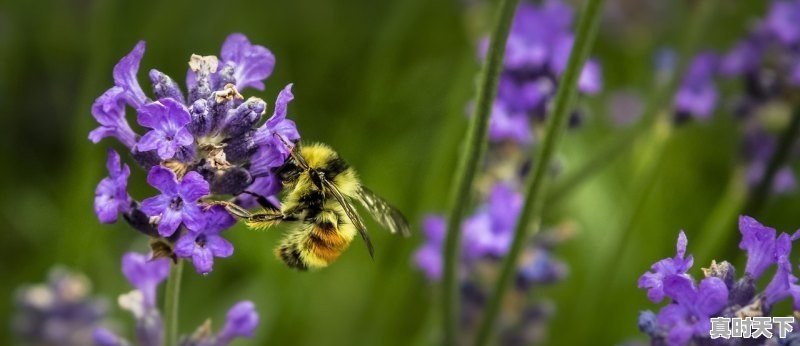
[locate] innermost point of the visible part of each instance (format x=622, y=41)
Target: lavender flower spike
x=251, y=63
x=111, y=195
x=176, y=203
x=654, y=281
x=167, y=119
x=241, y=321
x=104, y=337
x=206, y=244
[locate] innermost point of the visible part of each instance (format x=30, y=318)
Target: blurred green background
x=386, y=83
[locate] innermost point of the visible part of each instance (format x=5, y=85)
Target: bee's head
x=289, y=172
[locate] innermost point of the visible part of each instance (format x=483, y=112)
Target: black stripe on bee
x=291, y=256
x=334, y=167
x=313, y=201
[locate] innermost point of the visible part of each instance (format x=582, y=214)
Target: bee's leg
x=233, y=209
x=263, y=201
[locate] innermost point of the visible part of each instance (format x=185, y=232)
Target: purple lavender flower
x=104, y=337
x=782, y=20
x=429, y=257
x=168, y=119
x=759, y=242
x=653, y=281
x=697, y=94
x=252, y=64
x=241, y=321
x=689, y=315
x=177, y=202
x=145, y=274
x=202, y=246
x=719, y=294
x=109, y=111
x=272, y=151
x=60, y=311
x=537, y=51
x=111, y=195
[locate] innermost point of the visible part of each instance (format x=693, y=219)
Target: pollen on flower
x=205, y=64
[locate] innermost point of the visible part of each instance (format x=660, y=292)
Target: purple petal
x=151, y=141
x=155, y=205
x=106, y=207
x=125, y=75
x=681, y=289
x=785, y=181
x=429, y=260
x=675, y=316
x=759, y=242
x=503, y=125
x=698, y=100
x=218, y=219
x=184, y=247
x=591, y=78
x=169, y=222
x=782, y=21
x=241, y=321
x=184, y=138
x=176, y=112
x=193, y=186
x=434, y=228
x=152, y=115
x=164, y=180
x=252, y=63
x=145, y=274
x=281, y=106
x=203, y=260
x=192, y=217
x=104, y=337
x=219, y=246
x=712, y=296
x=109, y=111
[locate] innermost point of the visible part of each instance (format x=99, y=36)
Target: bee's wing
x=351, y=213
x=387, y=215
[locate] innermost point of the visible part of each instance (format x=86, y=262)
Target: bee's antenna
x=300, y=160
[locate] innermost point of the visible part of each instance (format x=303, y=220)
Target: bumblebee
x=318, y=189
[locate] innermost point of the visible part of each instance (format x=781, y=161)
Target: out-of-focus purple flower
x=202, y=246
x=145, y=274
x=104, y=337
x=489, y=232
x=111, y=195
x=743, y=58
x=428, y=258
x=167, y=119
x=176, y=203
x=625, y=107
x=759, y=242
x=241, y=322
x=540, y=268
x=653, y=281
x=782, y=20
x=109, y=111
x=697, y=94
x=689, y=315
x=60, y=311
x=507, y=125
x=252, y=64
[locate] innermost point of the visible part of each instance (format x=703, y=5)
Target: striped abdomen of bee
x=318, y=240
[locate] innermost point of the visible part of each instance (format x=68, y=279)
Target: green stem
x=469, y=162
x=171, y=300
x=556, y=125
x=762, y=191
x=715, y=231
